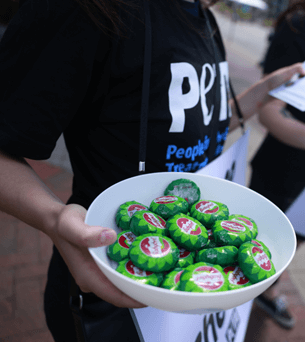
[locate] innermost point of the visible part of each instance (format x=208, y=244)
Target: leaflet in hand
x=292, y=92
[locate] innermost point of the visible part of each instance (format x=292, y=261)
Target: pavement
x=25, y=252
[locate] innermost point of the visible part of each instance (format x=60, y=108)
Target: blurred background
x=246, y=26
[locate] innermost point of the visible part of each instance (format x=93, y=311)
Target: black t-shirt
x=287, y=47
x=53, y=59
x=281, y=167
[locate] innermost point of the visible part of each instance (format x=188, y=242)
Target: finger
x=91, y=279
x=83, y=235
x=92, y=236
x=72, y=240
x=106, y=290
x=296, y=68
x=301, y=69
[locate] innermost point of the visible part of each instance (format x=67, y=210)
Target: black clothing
x=277, y=172
x=287, y=47
x=52, y=61
x=68, y=58
x=278, y=169
x=117, y=322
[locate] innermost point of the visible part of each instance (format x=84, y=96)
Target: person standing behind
x=278, y=168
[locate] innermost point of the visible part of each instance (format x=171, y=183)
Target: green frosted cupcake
x=203, y=277
x=222, y=256
x=255, y=263
x=186, y=257
x=144, y=222
x=237, y=279
x=208, y=212
x=249, y=222
x=263, y=246
x=168, y=206
x=128, y=269
x=125, y=213
x=184, y=188
x=153, y=252
x=231, y=233
x=172, y=279
x=187, y=232
x=120, y=248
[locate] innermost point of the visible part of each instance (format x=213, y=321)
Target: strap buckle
x=76, y=302
x=142, y=166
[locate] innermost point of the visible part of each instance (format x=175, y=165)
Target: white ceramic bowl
x=275, y=230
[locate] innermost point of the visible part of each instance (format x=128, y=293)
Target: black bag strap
x=76, y=299
x=238, y=111
x=76, y=306
x=216, y=100
x=145, y=88
x=237, y=107
x=146, y=85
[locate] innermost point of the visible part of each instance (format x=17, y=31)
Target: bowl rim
x=182, y=293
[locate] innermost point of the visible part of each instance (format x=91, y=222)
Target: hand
x=72, y=237
x=283, y=75
x=257, y=96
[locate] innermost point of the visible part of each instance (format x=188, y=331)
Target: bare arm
x=26, y=197
x=255, y=97
x=288, y=130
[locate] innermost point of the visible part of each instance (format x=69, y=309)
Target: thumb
x=295, y=69
x=94, y=236
x=299, y=68
x=280, y=76
x=75, y=230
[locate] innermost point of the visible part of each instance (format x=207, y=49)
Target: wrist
x=263, y=93
x=50, y=221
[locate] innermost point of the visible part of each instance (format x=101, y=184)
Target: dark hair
x=8, y=8
x=296, y=8
x=105, y=13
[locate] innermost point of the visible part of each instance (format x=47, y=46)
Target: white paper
x=231, y=165
x=292, y=92
x=161, y=326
